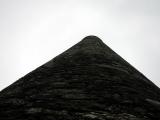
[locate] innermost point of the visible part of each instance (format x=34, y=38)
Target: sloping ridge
x=88, y=81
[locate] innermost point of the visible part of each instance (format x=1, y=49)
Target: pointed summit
x=89, y=81
x=87, y=48
x=90, y=44
x=92, y=40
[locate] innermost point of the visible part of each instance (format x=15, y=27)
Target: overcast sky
x=34, y=31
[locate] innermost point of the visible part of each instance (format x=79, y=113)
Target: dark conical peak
x=88, y=81
x=92, y=45
x=91, y=40
x=88, y=45
x=91, y=37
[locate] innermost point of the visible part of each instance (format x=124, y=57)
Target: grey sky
x=34, y=31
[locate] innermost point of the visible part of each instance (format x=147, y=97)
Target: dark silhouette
x=89, y=81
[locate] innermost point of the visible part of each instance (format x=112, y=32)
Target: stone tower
x=89, y=81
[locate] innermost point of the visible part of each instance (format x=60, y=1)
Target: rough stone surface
x=89, y=81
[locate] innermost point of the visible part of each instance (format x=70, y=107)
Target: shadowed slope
x=88, y=81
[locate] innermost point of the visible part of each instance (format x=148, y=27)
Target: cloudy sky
x=34, y=31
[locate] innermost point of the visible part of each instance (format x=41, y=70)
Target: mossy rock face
x=89, y=81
